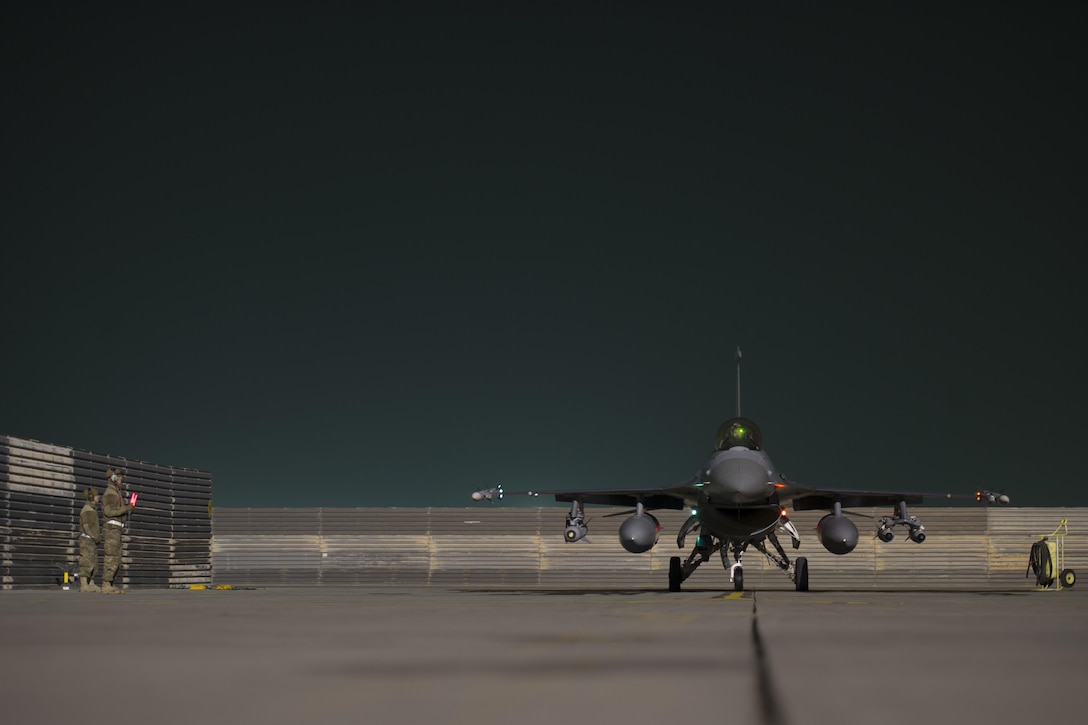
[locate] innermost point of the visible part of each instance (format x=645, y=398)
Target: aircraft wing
x=671, y=497
x=687, y=494
x=808, y=499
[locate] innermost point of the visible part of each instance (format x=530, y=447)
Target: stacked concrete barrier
x=167, y=541
x=485, y=545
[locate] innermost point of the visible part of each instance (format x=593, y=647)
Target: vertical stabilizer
x=738, y=382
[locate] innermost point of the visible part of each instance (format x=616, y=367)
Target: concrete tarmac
x=393, y=655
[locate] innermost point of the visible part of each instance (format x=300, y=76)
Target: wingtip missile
x=487, y=494
x=991, y=497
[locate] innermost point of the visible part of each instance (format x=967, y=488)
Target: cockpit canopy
x=739, y=432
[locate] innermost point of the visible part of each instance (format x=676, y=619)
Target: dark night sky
x=382, y=254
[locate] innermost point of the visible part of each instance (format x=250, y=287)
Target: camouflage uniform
x=89, y=536
x=115, y=512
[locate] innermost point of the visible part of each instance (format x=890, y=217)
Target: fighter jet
x=739, y=499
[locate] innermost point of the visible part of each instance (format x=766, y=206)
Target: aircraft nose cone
x=740, y=479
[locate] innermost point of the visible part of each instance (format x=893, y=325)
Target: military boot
x=108, y=588
x=87, y=585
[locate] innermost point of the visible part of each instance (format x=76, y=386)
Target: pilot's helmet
x=90, y=493
x=739, y=432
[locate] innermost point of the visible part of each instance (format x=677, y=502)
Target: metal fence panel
x=167, y=541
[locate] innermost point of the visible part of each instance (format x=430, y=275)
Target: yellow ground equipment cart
x=1048, y=556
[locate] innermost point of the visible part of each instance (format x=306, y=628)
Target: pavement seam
x=770, y=708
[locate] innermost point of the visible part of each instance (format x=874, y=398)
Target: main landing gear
x=706, y=546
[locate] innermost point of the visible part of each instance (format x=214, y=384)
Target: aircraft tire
x=1068, y=578
x=800, y=574
x=676, y=574
x=738, y=580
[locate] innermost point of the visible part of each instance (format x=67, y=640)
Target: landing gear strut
x=797, y=571
x=736, y=569
x=706, y=546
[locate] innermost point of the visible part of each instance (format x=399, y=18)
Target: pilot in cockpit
x=739, y=432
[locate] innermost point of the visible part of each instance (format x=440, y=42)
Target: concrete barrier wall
x=489, y=545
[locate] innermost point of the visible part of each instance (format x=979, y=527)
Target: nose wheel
x=736, y=569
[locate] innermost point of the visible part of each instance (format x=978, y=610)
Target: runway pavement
x=394, y=655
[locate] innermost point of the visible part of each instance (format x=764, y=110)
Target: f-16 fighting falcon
x=738, y=499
